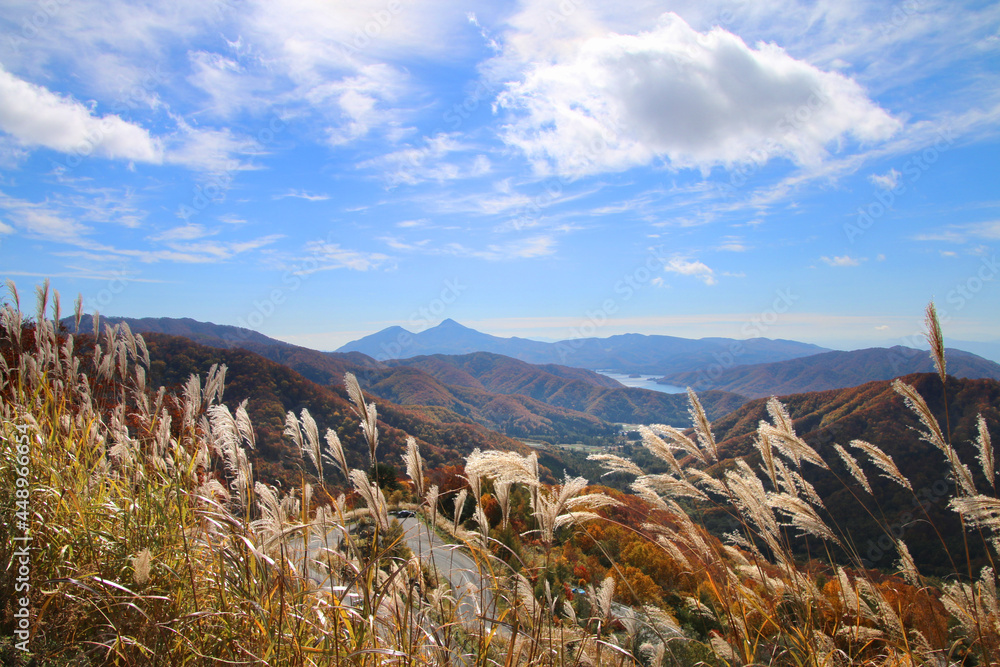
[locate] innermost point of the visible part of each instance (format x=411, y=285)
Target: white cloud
x=188, y=232
x=232, y=219
x=733, y=244
x=36, y=116
x=429, y=162
x=42, y=220
x=325, y=256
x=215, y=151
x=301, y=194
x=981, y=231
x=537, y=246
x=844, y=260
x=608, y=102
x=886, y=181
x=693, y=268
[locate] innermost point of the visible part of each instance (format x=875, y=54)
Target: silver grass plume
x=853, y=467
x=906, y=563
x=432, y=501
x=802, y=516
x=723, y=650
x=979, y=511
x=365, y=411
x=244, y=426
x=985, y=450
x=334, y=453
x=884, y=462
x=270, y=525
x=706, y=481
x=783, y=435
x=935, y=339
x=549, y=511
x=602, y=597
x=141, y=567
x=763, y=444
x=312, y=449
x=502, y=489
x=702, y=427
x=673, y=487
x=482, y=520
x=659, y=448
x=806, y=490
x=373, y=498
x=751, y=499
x=414, y=465
x=305, y=435
x=507, y=466
x=615, y=463
x=934, y=435
x=918, y=406
x=459, y=506
x=525, y=597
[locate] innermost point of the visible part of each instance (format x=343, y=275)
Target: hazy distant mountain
x=629, y=353
x=833, y=370
x=987, y=350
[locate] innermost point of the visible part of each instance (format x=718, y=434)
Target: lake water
x=644, y=382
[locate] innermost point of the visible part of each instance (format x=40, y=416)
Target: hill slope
x=273, y=389
x=569, y=403
x=874, y=412
x=833, y=370
x=569, y=388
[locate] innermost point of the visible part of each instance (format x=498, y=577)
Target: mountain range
x=624, y=353
x=832, y=370
x=549, y=402
x=875, y=413
x=455, y=402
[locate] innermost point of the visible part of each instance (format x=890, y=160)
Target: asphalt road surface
x=454, y=565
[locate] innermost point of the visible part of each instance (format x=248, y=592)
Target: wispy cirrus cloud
x=302, y=194
x=971, y=232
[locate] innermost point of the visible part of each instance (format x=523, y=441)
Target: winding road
x=474, y=601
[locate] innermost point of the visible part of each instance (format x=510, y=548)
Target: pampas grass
x=155, y=543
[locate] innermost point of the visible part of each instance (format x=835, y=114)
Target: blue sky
x=318, y=171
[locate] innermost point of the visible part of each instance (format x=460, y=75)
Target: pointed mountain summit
x=448, y=337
